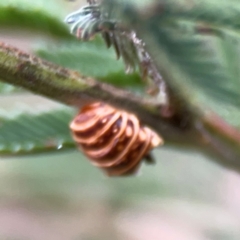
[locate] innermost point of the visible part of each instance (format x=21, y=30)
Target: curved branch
x=179, y=127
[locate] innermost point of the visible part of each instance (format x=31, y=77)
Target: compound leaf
x=29, y=132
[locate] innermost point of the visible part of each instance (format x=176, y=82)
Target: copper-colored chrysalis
x=113, y=140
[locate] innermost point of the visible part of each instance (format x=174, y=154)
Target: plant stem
x=185, y=128
x=73, y=88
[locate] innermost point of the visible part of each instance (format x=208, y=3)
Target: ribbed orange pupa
x=113, y=140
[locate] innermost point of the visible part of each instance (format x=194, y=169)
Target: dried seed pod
x=112, y=139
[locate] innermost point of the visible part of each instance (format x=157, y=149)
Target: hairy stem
x=73, y=88
x=183, y=128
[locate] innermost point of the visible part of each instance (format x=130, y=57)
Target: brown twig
x=179, y=126
x=72, y=88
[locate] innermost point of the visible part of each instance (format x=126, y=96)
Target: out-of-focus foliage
x=196, y=46
x=61, y=196
x=35, y=132
x=91, y=59
x=38, y=15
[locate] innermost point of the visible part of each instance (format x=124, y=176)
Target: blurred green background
x=61, y=196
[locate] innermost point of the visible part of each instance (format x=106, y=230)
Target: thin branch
x=179, y=127
x=73, y=88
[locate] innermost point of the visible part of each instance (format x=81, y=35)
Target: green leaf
x=37, y=15
x=204, y=68
x=29, y=132
x=91, y=59
x=223, y=15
